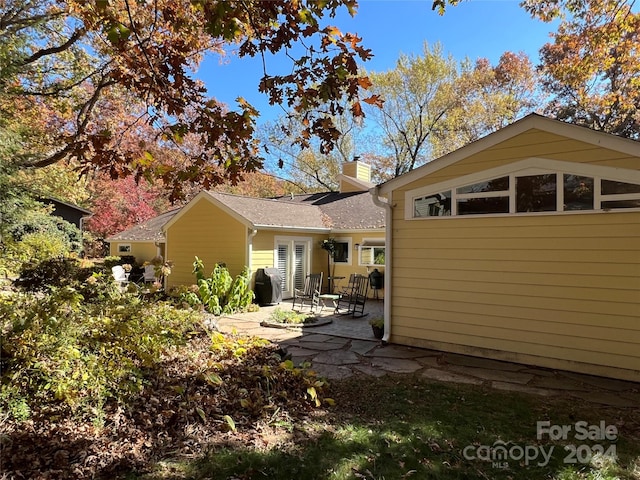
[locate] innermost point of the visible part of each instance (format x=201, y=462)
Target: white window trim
x=120, y=245
x=530, y=166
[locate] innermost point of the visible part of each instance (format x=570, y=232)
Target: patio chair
x=119, y=275
x=150, y=274
x=353, y=302
x=310, y=292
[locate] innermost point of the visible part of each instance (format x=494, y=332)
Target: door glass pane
x=282, y=266
x=536, y=193
x=479, y=206
x=299, y=263
x=609, y=187
x=578, y=192
x=496, y=185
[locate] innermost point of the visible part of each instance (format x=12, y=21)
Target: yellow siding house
x=522, y=246
x=283, y=233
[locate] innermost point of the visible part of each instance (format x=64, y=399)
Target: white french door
x=292, y=258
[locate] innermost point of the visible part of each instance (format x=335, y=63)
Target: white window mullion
x=512, y=193
x=559, y=192
x=597, y=193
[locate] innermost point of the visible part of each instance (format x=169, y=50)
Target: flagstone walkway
x=346, y=347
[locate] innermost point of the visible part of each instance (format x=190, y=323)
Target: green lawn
x=406, y=427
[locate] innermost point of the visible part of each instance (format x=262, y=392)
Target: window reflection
x=495, y=185
x=536, y=193
x=578, y=193
x=438, y=205
x=479, y=206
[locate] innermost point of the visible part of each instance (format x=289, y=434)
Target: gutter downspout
x=252, y=232
x=388, y=214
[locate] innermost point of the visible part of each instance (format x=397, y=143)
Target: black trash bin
x=268, y=286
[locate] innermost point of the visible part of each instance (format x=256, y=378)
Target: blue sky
x=473, y=29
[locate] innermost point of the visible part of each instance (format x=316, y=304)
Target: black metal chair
x=310, y=292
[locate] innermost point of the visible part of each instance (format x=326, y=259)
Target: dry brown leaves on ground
x=200, y=395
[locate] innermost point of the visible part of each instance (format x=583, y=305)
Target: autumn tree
x=308, y=169
x=488, y=98
x=417, y=94
x=591, y=68
x=68, y=58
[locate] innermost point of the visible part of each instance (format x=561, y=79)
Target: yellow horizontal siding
x=209, y=233
x=142, y=251
x=553, y=289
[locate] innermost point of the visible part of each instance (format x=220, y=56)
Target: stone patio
x=346, y=347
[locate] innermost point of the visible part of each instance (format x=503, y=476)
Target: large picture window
x=529, y=191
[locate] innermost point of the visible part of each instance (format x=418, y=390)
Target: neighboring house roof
x=57, y=203
x=530, y=122
x=149, y=231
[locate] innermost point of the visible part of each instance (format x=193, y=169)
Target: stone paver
x=444, y=376
x=361, y=347
x=479, y=362
x=497, y=375
x=320, y=337
x=323, y=346
x=332, y=372
x=428, y=361
x=396, y=365
x=339, y=357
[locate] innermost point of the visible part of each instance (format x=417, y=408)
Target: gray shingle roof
x=345, y=211
x=149, y=231
x=268, y=212
x=323, y=211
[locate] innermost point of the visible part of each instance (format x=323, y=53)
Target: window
x=536, y=193
x=372, y=252
x=341, y=254
x=578, y=193
x=124, y=248
x=528, y=191
x=437, y=205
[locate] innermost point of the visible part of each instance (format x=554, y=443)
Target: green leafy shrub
x=219, y=293
x=60, y=351
x=47, y=225
x=290, y=317
x=186, y=296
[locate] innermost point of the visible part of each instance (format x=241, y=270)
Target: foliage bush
x=49, y=226
x=219, y=293
x=60, y=351
x=56, y=271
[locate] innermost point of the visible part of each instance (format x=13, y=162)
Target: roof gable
x=149, y=231
x=532, y=122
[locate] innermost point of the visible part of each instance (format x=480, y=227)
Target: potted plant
x=377, y=325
